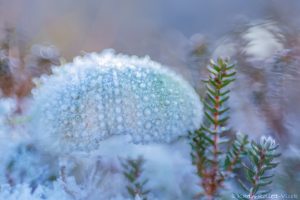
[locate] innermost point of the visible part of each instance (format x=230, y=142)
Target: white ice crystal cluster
x=267, y=142
x=100, y=95
x=167, y=167
x=7, y=107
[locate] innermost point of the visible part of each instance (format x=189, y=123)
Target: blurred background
x=261, y=37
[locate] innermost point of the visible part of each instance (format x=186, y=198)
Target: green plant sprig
x=206, y=141
x=214, y=165
x=132, y=171
x=237, y=151
x=261, y=161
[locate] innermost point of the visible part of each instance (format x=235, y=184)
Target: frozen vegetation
x=187, y=123
x=111, y=126
x=92, y=115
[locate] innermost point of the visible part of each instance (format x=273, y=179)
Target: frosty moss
x=100, y=95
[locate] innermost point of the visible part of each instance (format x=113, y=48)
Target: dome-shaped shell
x=100, y=95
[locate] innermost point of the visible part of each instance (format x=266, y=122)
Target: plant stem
x=213, y=182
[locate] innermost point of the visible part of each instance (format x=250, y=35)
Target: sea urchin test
x=101, y=95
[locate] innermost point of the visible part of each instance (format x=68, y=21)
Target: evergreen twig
x=132, y=172
x=215, y=166
x=258, y=169
x=206, y=141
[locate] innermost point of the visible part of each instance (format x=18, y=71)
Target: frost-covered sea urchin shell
x=100, y=95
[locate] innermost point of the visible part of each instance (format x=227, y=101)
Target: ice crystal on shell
x=100, y=95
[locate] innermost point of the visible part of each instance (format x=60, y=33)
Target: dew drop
x=118, y=110
x=102, y=125
x=148, y=125
x=119, y=119
x=101, y=117
x=142, y=85
x=147, y=111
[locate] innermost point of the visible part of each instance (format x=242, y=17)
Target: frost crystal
x=100, y=95
x=267, y=142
